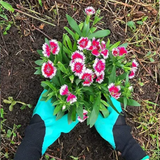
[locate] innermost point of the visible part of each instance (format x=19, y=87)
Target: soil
x=18, y=80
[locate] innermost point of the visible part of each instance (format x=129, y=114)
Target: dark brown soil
x=18, y=80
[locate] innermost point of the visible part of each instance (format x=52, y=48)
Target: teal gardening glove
x=43, y=130
x=114, y=130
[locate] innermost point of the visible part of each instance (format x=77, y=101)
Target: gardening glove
x=115, y=130
x=43, y=130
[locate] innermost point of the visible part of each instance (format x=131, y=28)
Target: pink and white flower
x=46, y=50
x=122, y=51
x=53, y=48
x=99, y=66
x=134, y=64
x=84, y=43
x=85, y=112
x=48, y=70
x=114, y=90
x=77, y=55
x=71, y=98
x=100, y=78
x=115, y=52
x=90, y=11
x=132, y=73
x=64, y=90
x=87, y=76
x=95, y=47
x=77, y=66
x=104, y=51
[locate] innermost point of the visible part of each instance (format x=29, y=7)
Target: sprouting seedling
x=12, y=103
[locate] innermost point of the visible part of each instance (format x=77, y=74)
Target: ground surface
x=18, y=53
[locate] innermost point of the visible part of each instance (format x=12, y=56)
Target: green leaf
x=104, y=103
x=104, y=110
x=125, y=102
x=11, y=106
x=47, y=41
x=93, y=29
x=7, y=6
x=130, y=102
x=131, y=25
x=57, y=109
x=59, y=115
x=4, y=16
x=40, y=53
x=112, y=77
x=38, y=70
x=108, y=43
x=62, y=68
x=110, y=103
x=39, y=62
x=73, y=24
x=124, y=45
x=73, y=115
x=99, y=34
x=69, y=43
x=122, y=76
x=9, y=133
x=49, y=84
x=95, y=111
x=78, y=81
x=40, y=2
x=79, y=110
x=70, y=32
x=115, y=45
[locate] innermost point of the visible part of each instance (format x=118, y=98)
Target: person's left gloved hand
x=43, y=130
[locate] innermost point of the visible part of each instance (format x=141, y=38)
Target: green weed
x=5, y=24
x=12, y=103
x=148, y=121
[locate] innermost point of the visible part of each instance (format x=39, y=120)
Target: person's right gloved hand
x=114, y=130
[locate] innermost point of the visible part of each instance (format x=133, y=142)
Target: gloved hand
x=114, y=130
x=43, y=130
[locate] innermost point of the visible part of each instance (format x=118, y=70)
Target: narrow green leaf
x=93, y=29
x=40, y=53
x=104, y=110
x=108, y=43
x=39, y=62
x=73, y=24
x=112, y=77
x=110, y=103
x=49, y=84
x=62, y=68
x=95, y=111
x=79, y=110
x=115, y=45
x=99, y=34
x=7, y=6
x=59, y=115
x=70, y=32
x=125, y=102
x=69, y=43
x=57, y=109
x=122, y=76
x=124, y=45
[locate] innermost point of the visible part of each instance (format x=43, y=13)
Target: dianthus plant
x=84, y=71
